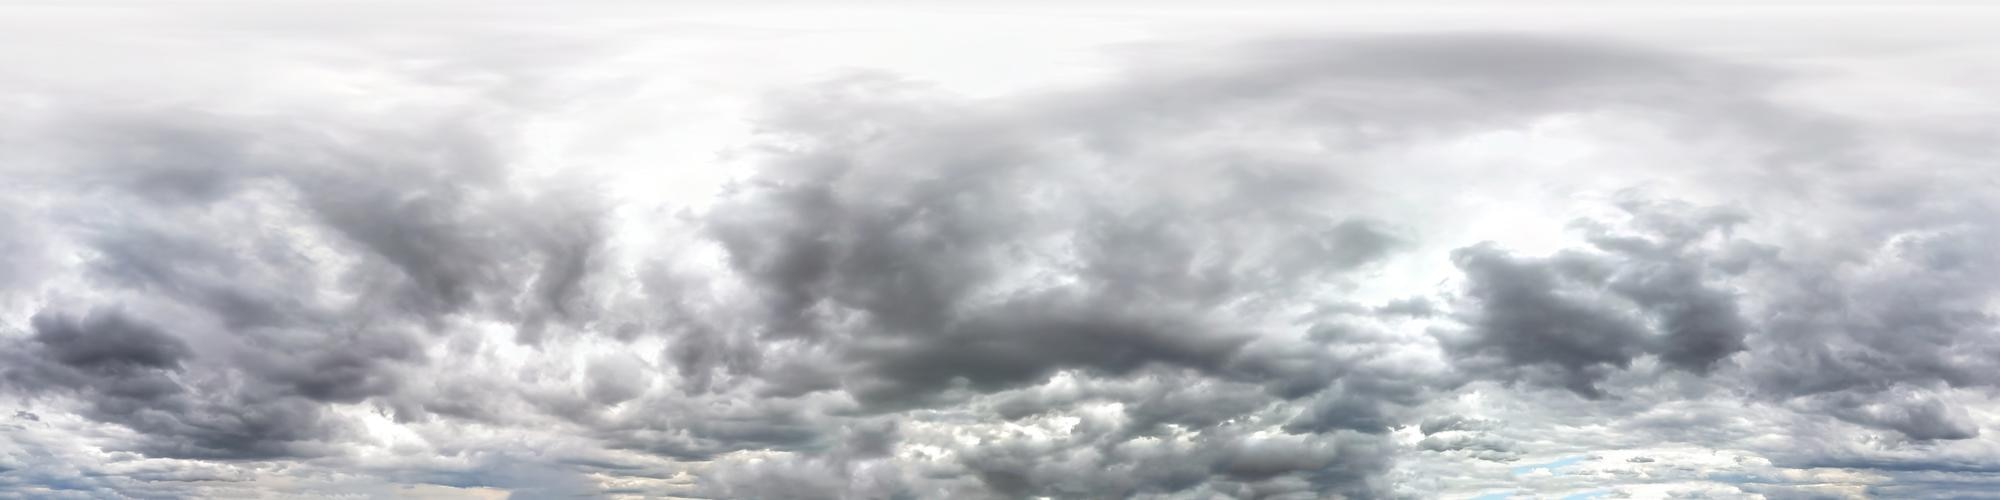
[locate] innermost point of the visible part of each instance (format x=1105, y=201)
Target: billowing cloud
x=610, y=258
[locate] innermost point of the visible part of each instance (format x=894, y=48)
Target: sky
x=902, y=250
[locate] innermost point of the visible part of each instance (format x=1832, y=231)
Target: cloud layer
x=1412, y=264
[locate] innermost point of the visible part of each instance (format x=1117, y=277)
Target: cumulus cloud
x=1583, y=313
x=502, y=255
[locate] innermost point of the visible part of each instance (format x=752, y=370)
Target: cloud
x=106, y=341
x=1397, y=265
x=1586, y=314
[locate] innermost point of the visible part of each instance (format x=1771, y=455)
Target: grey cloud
x=266, y=337
x=1443, y=423
x=340, y=367
x=1914, y=413
x=1417, y=307
x=1021, y=343
x=1158, y=285
x=1370, y=403
x=701, y=352
x=1339, y=466
x=892, y=224
x=617, y=379
x=922, y=256
x=107, y=341
x=1194, y=404
x=1152, y=399
x=1264, y=459
x=1479, y=446
x=1523, y=320
x=709, y=426
x=458, y=240
x=854, y=466
x=427, y=205
x=132, y=374
x=1872, y=345
x=1585, y=315
x=24, y=255
x=199, y=160
x=836, y=223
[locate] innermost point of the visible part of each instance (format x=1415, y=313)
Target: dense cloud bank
x=1385, y=266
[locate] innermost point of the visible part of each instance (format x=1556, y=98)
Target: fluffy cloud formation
x=1405, y=264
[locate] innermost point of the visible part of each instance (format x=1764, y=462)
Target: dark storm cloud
x=1524, y=321
x=1023, y=343
x=133, y=374
x=106, y=354
x=1587, y=314
x=106, y=340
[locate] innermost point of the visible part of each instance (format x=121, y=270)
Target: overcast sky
x=882, y=250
